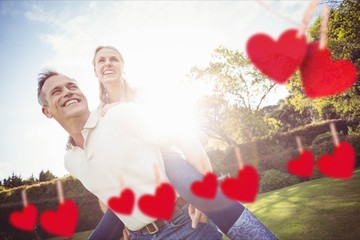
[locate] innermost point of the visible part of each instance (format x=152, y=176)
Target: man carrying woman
x=113, y=141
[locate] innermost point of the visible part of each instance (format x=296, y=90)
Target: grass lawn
x=320, y=209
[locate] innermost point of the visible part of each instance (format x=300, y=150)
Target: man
x=108, y=143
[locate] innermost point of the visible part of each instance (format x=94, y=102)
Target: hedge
x=44, y=197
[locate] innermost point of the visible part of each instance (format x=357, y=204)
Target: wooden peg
x=334, y=134
x=121, y=180
x=24, y=198
x=299, y=144
x=157, y=174
x=305, y=22
x=238, y=158
x=323, y=28
x=60, y=191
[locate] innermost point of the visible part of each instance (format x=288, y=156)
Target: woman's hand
x=197, y=216
x=125, y=235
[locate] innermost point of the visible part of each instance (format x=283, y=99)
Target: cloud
x=38, y=14
x=92, y=5
x=160, y=41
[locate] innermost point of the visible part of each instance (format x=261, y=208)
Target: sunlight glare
x=172, y=109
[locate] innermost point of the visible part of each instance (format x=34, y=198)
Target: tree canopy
x=231, y=111
x=343, y=43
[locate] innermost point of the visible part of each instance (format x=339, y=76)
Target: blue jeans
x=110, y=227
x=248, y=227
x=221, y=211
x=180, y=228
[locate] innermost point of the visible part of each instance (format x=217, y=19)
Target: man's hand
x=197, y=216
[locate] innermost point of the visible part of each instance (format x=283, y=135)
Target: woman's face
x=108, y=65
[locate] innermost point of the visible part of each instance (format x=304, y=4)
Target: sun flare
x=173, y=109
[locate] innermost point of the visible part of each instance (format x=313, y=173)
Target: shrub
x=274, y=179
x=216, y=159
x=44, y=196
x=354, y=139
x=322, y=144
x=276, y=157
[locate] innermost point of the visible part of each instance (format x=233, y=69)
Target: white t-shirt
x=120, y=145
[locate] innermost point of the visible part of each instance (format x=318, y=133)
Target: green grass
x=325, y=208
x=320, y=209
x=77, y=236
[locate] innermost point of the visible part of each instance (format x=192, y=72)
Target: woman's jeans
x=222, y=211
x=180, y=228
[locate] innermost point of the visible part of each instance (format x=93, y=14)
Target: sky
x=160, y=41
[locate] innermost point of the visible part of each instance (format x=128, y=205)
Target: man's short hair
x=42, y=77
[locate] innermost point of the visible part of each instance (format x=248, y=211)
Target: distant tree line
x=16, y=180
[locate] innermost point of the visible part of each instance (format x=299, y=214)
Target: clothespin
x=305, y=22
x=334, y=134
x=157, y=174
x=25, y=219
x=24, y=198
x=299, y=144
x=323, y=29
x=121, y=181
x=60, y=191
x=238, y=158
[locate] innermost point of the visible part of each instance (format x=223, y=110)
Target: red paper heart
x=278, y=60
x=302, y=166
x=25, y=219
x=161, y=205
x=243, y=188
x=206, y=188
x=340, y=164
x=123, y=204
x=322, y=77
x=61, y=222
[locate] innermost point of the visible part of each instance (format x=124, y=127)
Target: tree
x=288, y=116
x=13, y=181
x=344, y=43
x=231, y=111
x=343, y=31
x=31, y=180
x=46, y=176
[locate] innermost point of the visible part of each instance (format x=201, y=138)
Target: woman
x=231, y=217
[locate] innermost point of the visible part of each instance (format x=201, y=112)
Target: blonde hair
x=128, y=91
x=109, y=47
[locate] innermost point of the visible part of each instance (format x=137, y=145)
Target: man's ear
x=46, y=112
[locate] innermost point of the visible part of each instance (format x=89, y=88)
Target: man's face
x=64, y=99
x=108, y=65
